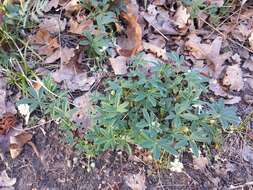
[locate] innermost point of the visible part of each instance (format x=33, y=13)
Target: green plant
x=51, y=101
x=161, y=111
x=215, y=13
x=97, y=45
x=104, y=13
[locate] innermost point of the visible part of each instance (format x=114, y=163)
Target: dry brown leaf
x=181, y=17
x=53, y=24
x=156, y=40
x=132, y=7
x=72, y=79
x=65, y=54
x=5, y=106
x=78, y=28
x=219, y=91
x=234, y=78
x=160, y=22
x=159, y=52
x=136, y=181
x=247, y=153
x=249, y=82
x=248, y=64
x=17, y=142
x=251, y=40
x=46, y=44
x=210, y=52
x=131, y=44
x=119, y=65
x=82, y=116
x=5, y=180
x=71, y=6
x=200, y=163
x=218, y=3
x=232, y=100
x=49, y=5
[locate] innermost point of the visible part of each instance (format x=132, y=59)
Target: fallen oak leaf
x=65, y=54
x=210, y=52
x=6, y=181
x=119, y=65
x=73, y=79
x=132, y=44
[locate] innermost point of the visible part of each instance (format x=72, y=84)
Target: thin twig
x=250, y=183
x=224, y=36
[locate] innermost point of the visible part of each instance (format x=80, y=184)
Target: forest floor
x=81, y=44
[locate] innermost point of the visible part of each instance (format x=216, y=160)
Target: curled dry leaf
x=234, y=78
x=71, y=6
x=248, y=64
x=46, y=44
x=200, y=163
x=249, y=82
x=247, y=153
x=6, y=181
x=119, y=65
x=7, y=121
x=210, y=52
x=48, y=5
x=136, y=181
x=251, y=40
x=156, y=40
x=79, y=27
x=181, y=17
x=72, y=79
x=17, y=142
x=131, y=44
x=159, y=52
x=53, y=24
x=65, y=54
x=219, y=91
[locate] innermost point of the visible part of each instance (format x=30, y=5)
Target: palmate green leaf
x=181, y=143
x=166, y=145
x=189, y=116
x=225, y=115
x=194, y=148
x=105, y=18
